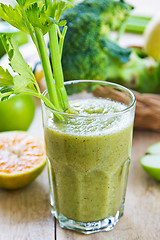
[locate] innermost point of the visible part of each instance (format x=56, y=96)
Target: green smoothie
x=89, y=156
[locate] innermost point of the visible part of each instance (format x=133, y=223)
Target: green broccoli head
x=83, y=57
x=140, y=74
x=89, y=23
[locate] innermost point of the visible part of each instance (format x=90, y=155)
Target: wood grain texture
x=25, y=213
x=148, y=108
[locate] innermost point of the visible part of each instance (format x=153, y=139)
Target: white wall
x=142, y=7
x=145, y=7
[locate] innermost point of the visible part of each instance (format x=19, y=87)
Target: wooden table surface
x=25, y=213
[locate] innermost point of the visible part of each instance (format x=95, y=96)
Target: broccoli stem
x=47, y=69
x=57, y=67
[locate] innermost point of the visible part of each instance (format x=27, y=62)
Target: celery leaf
x=24, y=2
x=13, y=16
x=36, y=13
x=6, y=78
x=24, y=77
x=62, y=6
x=37, y=16
x=42, y=14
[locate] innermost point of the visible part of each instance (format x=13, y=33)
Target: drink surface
x=89, y=156
x=92, y=117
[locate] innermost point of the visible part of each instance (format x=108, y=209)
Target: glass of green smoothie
x=89, y=150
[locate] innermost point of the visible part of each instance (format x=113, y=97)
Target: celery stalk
x=137, y=24
x=57, y=67
x=47, y=69
x=36, y=18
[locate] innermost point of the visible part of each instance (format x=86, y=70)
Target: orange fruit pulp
x=22, y=159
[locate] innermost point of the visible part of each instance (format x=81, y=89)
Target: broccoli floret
x=140, y=73
x=90, y=53
x=89, y=23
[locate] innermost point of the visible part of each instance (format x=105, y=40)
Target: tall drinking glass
x=89, y=150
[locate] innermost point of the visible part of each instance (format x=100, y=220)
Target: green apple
x=17, y=113
x=151, y=164
x=151, y=161
x=154, y=148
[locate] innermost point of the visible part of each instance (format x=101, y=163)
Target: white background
x=146, y=7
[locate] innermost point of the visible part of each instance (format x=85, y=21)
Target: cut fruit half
x=154, y=148
x=151, y=164
x=22, y=159
x=152, y=38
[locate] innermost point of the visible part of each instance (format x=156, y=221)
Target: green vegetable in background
x=140, y=74
x=17, y=113
x=137, y=24
x=88, y=49
x=90, y=53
